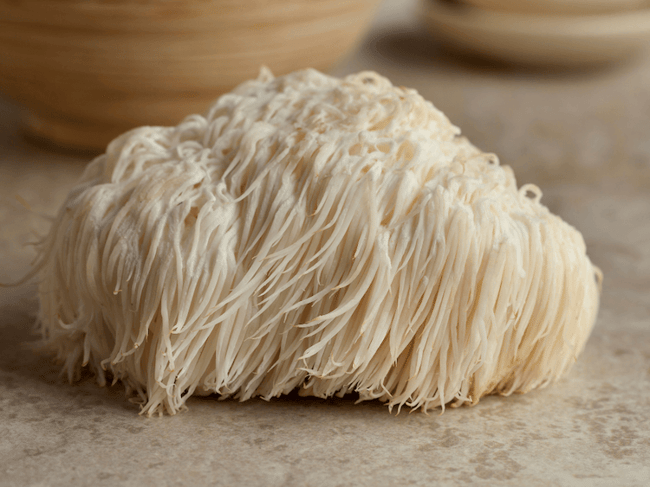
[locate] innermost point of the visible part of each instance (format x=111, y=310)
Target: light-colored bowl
x=87, y=70
x=566, y=7
x=531, y=39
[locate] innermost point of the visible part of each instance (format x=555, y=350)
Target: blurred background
x=558, y=89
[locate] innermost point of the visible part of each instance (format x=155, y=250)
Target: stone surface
x=582, y=137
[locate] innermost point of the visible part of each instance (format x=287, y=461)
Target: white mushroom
x=331, y=235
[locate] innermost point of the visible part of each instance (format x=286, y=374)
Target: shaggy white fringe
x=330, y=235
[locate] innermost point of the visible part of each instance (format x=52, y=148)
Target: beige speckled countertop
x=584, y=138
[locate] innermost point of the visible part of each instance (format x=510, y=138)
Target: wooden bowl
x=88, y=70
x=539, y=40
x=562, y=7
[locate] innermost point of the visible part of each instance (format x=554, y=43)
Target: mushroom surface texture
x=329, y=235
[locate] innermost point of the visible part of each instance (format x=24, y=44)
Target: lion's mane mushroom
x=308, y=232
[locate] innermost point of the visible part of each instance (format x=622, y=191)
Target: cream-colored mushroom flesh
x=329, y=235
